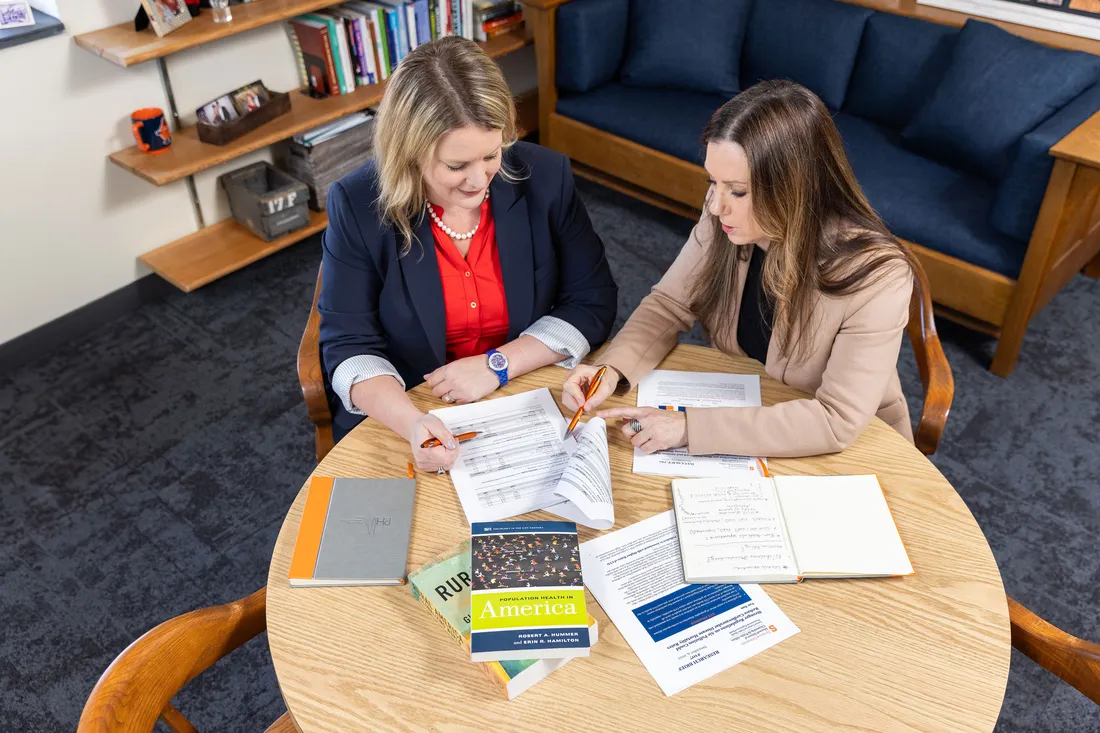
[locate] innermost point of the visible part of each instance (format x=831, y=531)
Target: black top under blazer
x=374, y=301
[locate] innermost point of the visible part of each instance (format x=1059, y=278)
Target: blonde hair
x=440, y=86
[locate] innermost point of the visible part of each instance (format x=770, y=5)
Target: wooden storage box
x=227, y=132
x=266, y=200
x=320, y=165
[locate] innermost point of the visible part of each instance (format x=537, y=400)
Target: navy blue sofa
x=948, y=129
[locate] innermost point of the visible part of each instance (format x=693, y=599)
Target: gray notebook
x=356, y=535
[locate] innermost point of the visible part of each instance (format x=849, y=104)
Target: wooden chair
x=312, y=378
x=935, y=372
x=138, y=687
x=1074, y=660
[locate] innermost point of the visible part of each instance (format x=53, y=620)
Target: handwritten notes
x=732, y=528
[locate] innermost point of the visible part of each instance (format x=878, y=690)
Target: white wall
x=72, y=223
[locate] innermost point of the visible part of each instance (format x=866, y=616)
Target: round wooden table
x=924, y=652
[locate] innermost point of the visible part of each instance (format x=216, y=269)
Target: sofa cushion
x=692, y=45
x=812, y=42
x=1020, y=194
x=926, y=202
x=997, y=88
x=900, y=62
x=591, y=38
x=668, y=120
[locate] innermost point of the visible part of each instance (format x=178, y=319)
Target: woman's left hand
x=463, y=380
x=661, y=429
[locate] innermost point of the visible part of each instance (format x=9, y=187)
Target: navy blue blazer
x=374, y=301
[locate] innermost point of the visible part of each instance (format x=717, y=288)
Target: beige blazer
x=851, y=370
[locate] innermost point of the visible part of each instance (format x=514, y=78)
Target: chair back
x=137, y=688
x=935, y=372
x=311, y=377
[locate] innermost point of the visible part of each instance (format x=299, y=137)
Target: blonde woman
x=788, y=265
x=457, y=256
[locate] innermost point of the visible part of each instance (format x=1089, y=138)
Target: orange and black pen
x=591, y=391
x=434, y=442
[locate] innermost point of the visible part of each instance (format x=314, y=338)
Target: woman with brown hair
x=458, y=256
x=788, y=265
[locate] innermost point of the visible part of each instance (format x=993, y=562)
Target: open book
x=521, y=461
x=786, y=528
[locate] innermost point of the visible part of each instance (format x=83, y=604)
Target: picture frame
x=218, y=111
x=1074, y=17
x=165, y=15
x=15, y=14
x=250, y=97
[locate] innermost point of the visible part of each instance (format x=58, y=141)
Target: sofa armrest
x=591, y=42
x=1072, y=133
x=1083, y=144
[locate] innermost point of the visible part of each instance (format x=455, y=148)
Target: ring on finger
x=635, y=425
x=447, y=398
x=441, y=471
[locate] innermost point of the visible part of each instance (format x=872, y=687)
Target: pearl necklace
x=446, y=229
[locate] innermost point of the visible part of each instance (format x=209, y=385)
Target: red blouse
x=473, y=290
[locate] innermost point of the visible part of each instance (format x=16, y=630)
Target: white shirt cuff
x=357, y=369
x=562, y=337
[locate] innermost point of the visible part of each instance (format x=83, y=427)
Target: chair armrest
x=140, y=683
x=544, y=4
x=1082, y=145
x=310, y=375
x=935, y=371
x=1074, y=660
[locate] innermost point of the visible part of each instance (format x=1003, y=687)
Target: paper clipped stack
x=324, y=155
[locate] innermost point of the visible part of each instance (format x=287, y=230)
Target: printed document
x=695, y=389
x=682, y=633
x=519, y=463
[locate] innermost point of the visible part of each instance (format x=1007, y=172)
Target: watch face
x=498, y=362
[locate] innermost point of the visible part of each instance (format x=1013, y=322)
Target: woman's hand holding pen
x=576, y=387
x=432, y=459
x=661, y=429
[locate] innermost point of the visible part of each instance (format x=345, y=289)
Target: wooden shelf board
x=188, y=155
x=122, y=45
x=200, y=258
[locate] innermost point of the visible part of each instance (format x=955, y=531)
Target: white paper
x=732, y=528
x=695, y=389
x=518, y=463
x=682, y=633
x=841, y=526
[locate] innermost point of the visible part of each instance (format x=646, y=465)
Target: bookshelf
x=226, y=246
x=121, y=44
x=188, y=155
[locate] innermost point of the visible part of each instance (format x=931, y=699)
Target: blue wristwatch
x=498, y=362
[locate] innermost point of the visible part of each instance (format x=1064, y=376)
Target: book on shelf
x=757, y=529
x=299, y=58
x=316, y=44
x=355, y=27
x=442, y=585
x=526, y=591
x=377, y=27
x=354, y=531
x=341, y=57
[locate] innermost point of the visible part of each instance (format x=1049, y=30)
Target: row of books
x=361, y=43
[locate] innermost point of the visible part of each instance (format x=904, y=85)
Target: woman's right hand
x=431, y=459
x=576, y=387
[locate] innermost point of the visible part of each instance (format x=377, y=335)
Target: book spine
x=391, y=38
x=468, y=19
x=334, y=51
x=423, y=30
x=303, y=75
x=330, y=67
x=378, y=36
x=363, y=28
x=347, y=52
x=433, y=16
x=410, y=24
x=351, y=27
x=456, y=21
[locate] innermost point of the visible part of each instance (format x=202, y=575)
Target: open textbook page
x=682, y=633
x=695, y=389
x=519, y=463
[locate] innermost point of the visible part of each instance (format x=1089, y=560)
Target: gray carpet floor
x=145, y=470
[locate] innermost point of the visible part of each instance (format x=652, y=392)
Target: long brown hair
x=824, y=236
x=440, y=86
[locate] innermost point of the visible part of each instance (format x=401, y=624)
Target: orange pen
x=591, y=391
x=434, y=442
